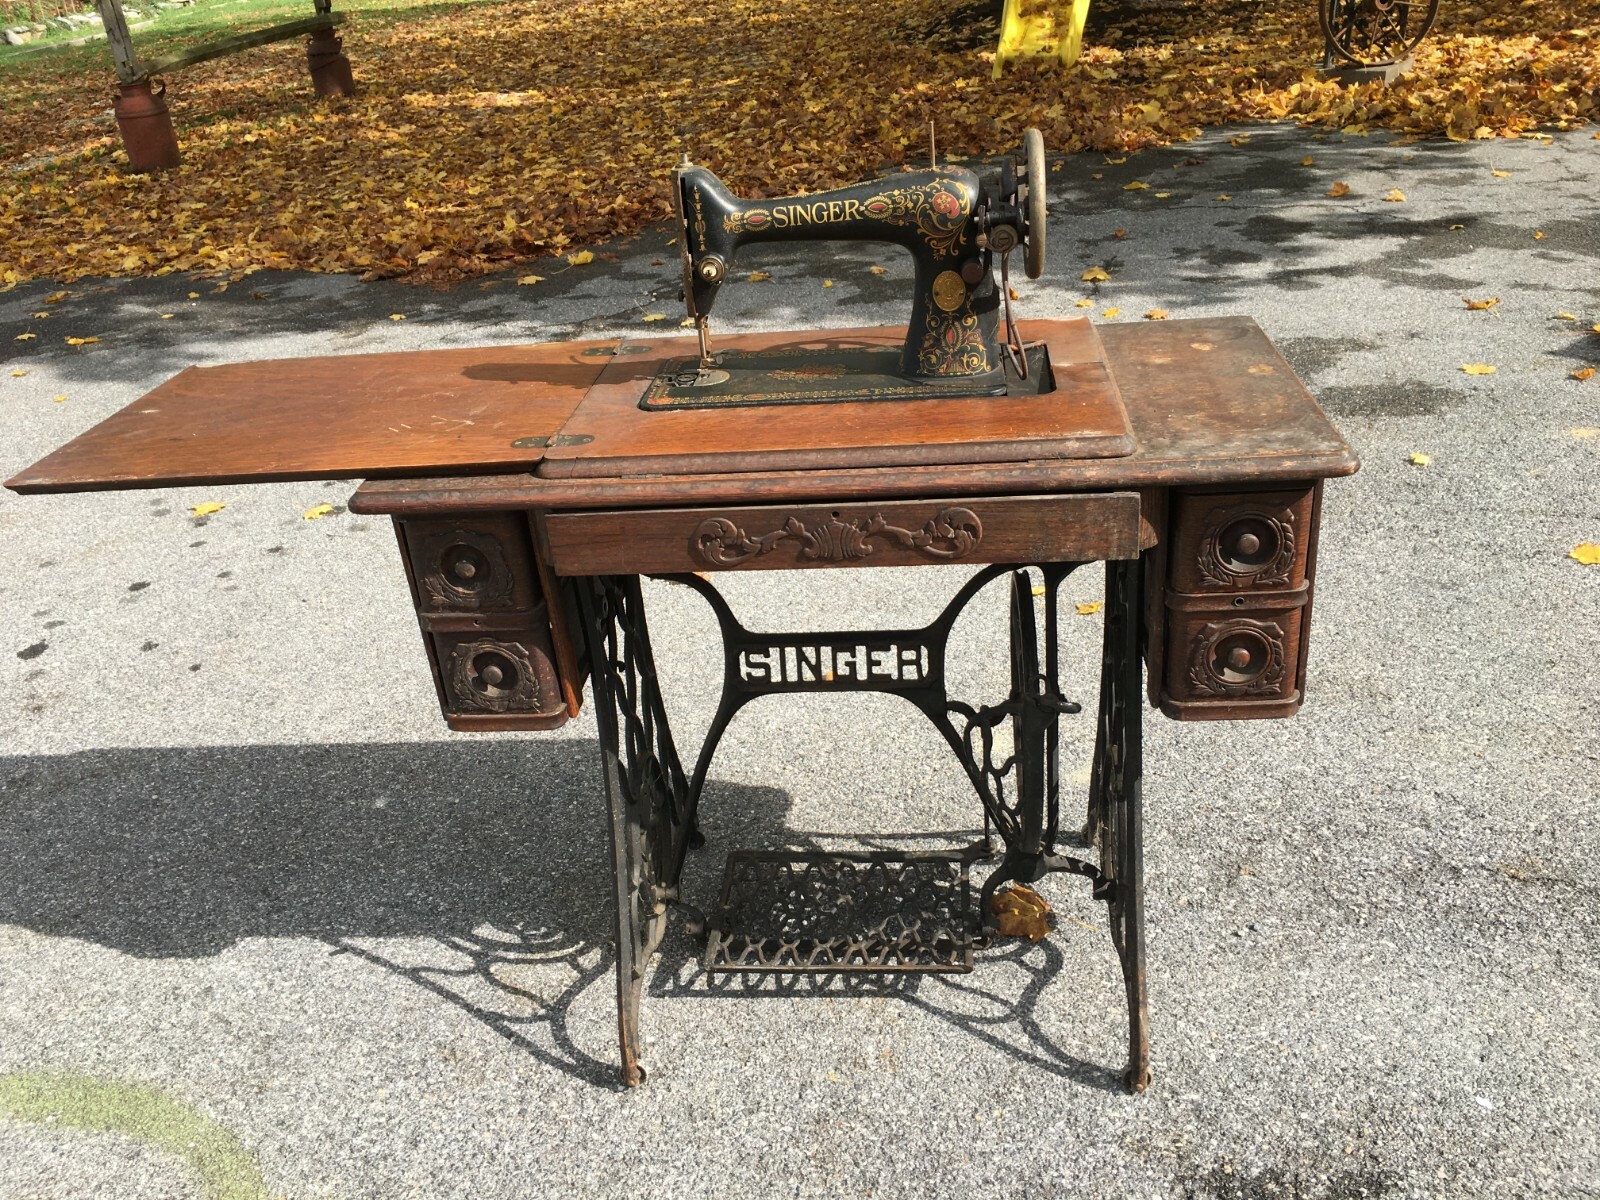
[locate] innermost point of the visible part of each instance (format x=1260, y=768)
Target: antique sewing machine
x=531, y=487
x=957, y=223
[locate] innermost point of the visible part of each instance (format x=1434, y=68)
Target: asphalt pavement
x=267, y=928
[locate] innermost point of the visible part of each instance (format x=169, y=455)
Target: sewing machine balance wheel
x=1033, y=165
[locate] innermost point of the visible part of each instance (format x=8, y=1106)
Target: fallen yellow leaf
x=1564, y=316
x=1163, y=195
x=1583, y=373
x=55, y=298
x=1453, y=228
x=582, y=258
x=877, y=270
x=1021, y=912
x=1480, y=305
x=1116, y=162
x=167, y=316
x=26, y=337
x=81, y=341
x=315, y=513
x=759, y=276
x=1156, y=314
x=397, y=316
x=18, y=373
x=1308, y=161
x=1242, y=140
x=1395, y=196
x=62, y=399
x=1090, y=608
x=1478, y=368
x=1584, y=433
x=1585, y=552
x=827, y=283
x=1095, y=275
x=1339, y=189
x=194, y=295
x=1135, y=186
x=1538, y=235
x=648, y=317
x=206, y=509
x=1084, y=304
x=41, y=316
x=1501, y=174
x=1418, y=459
x=529, y=280
x=1110, y=313
x=1224, y=196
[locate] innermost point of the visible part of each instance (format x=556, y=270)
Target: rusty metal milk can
x=146, y=127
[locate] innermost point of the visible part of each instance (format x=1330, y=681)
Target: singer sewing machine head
x=955, y=221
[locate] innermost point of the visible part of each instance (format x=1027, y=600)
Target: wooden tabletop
x=356, y=416
x=610, y=435
x=1207, y=401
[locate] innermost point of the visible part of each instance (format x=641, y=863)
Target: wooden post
x=117, y=37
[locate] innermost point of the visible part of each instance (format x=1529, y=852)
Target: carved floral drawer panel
x=1020, y=529
x=1238, y=602
x=485, y=621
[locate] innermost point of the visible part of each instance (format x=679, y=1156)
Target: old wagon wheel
x=1371, y=33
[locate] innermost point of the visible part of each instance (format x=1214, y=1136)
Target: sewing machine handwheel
x=1033, y=159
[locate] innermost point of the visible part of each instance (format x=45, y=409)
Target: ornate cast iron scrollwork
x=1015, y=774
x=646, y=791
x=950, y=535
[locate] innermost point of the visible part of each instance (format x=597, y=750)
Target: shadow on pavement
x=477, y=871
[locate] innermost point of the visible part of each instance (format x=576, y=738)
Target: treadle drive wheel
x=1372, y=33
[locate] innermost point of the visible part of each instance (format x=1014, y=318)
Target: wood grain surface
x=1082, y=417
x=1086, y=528
x=1210, y=402
x=359, y=416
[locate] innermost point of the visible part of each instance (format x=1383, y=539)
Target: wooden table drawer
x=1072, y=528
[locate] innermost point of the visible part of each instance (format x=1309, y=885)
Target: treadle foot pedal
x=838, y=912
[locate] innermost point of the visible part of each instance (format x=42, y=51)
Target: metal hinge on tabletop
x=555, y=439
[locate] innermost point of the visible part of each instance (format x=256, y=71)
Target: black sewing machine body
x=955, y=221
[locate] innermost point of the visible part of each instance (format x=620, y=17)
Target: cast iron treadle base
x=842, y=912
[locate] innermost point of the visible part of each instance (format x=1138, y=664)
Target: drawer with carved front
x=1237, y=603
x=486, y=620
x=1232, y=541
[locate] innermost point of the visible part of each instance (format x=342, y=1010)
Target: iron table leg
x=652, y=803
x=647, y=794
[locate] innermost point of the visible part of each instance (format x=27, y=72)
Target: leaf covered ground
x=487, y=132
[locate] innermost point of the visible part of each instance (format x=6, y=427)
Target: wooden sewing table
x=530, y=491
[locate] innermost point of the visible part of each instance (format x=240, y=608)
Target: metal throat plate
x=851, y=911
x=752, y=378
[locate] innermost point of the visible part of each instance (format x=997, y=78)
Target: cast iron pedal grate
x=849, y=911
